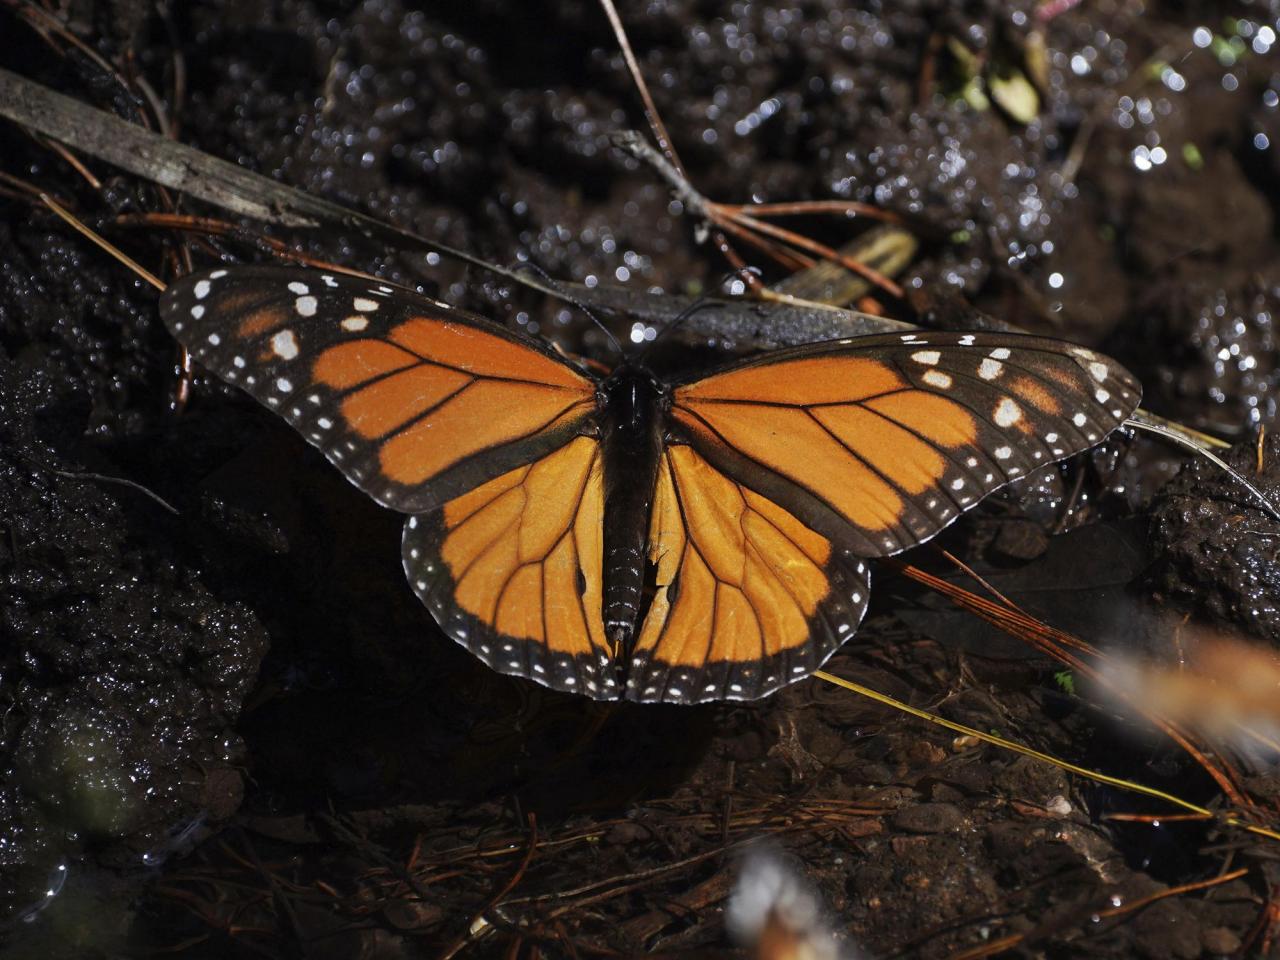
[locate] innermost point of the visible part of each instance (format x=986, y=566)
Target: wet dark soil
x=230, y=730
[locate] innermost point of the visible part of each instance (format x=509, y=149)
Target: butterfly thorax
x=631, y=407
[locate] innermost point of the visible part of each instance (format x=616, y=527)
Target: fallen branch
x=95, y=133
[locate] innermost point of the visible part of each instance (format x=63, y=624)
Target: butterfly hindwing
x=513, y=571
x=880, y=442
x=414, y=400
x=747, y=598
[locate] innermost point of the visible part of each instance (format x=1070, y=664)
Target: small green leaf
x=965, y=58
x=1015, y=95
x=975, y=96
x=1192, y=156
x=1067, y=681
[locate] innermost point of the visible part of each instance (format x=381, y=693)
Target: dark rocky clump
x=246, y=701
x=1216, y=544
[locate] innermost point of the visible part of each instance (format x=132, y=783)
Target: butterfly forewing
x=880, y=442
x=415, y=401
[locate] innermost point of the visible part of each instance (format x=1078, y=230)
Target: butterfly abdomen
x=631, y=405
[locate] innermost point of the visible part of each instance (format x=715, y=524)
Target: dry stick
x=248, y=194
x=997, y=946
x=211, y=226
x=480, y=923
x=102, y=242
x=820, y=249
x=71, y=160
x=791, y=208
x=664, y=139
x=31, y=12
x=1015, y=747
x=650, y=109
x=887, y=248
x=1054, y=643
x=103, y=478
x=732, y=218
x=786, y=258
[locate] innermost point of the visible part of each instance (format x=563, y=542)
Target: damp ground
x=230, y=730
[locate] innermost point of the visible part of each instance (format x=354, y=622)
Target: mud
x=232, y=731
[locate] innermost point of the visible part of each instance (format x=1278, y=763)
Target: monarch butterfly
x=621, y=536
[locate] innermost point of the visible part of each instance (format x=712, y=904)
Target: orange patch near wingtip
x=931, y=416
x=797, y=382
x=890, y=449
x=483, y=354
x=359, y=361
x=1035, y=394
x=393, y=401
x=258, y=322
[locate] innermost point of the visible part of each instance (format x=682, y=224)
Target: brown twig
x=1056, y=644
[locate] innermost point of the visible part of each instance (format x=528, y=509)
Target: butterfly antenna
x=700, y=304
x=1141, y=420
x=564, y=294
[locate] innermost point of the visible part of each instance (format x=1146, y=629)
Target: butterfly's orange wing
x=415, y=401
x=788, y=470
x=880, y=442
x=485, y=437
x=513, y=570
x=747, y=597
x=781, y=475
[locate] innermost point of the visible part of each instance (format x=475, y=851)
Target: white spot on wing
x=990, y=369
x=927, y=356
x=201, y=289
x=355, y=324
x=1007, y=413
x=306, y=306
x=197, y=311
x=999, y=353
x=284, y=345
x=366, y=306
x=936, y=378
x=299, y=288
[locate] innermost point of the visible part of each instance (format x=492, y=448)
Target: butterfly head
x=632, y=400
